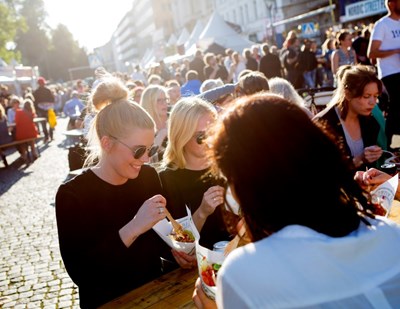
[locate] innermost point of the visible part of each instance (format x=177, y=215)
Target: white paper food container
x=164, y=229
x=209, y=257
x=386, y=192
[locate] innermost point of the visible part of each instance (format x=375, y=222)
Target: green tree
x=34, y=43
x=65, y=53
x=9, y=22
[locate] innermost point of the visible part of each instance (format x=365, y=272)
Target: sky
x=91, y=22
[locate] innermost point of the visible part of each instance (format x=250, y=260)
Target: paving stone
x=31, y=270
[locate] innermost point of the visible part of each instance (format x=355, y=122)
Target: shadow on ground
x=16, y=169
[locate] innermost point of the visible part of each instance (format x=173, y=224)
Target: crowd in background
x=149, y=147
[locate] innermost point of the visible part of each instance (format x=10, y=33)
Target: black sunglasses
x=139, y=151
x=200, y=137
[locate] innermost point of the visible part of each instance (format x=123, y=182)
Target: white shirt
x=11, y=115
x=300, y=268
x=387, y=30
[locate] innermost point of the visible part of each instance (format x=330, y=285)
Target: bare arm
x=334, y=62
x=374, y=50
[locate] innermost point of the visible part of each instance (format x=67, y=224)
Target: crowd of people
x=180, y=134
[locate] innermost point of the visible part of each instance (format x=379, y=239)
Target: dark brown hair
x=352, y=80
x=283, y=169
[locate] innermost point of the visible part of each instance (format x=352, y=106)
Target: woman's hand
x=200, y=299
x=186, y=261
x=212, y=198
x=152, y=211
x=372, y=153
x=372, y=177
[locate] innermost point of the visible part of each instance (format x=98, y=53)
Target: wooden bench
x=15, y=144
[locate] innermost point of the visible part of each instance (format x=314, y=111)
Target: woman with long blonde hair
x=185, y=172
x=155, y=100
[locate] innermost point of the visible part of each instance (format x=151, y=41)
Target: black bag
x=76, y=157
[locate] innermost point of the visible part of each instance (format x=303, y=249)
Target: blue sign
x=308, y=30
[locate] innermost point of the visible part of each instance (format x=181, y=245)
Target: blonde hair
x=107, y=89
x=29, y=107
x=149, y=100
x=2, y=113
x=284, y=88
x=182, y=125
x=118, y=119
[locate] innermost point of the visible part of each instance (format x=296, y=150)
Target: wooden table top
x=35, y=120
x=395, y=212
x=74, y=132
x=172, y=290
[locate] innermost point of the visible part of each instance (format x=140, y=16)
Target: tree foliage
x=66, y=48
x=9, y=22
x=54, y=51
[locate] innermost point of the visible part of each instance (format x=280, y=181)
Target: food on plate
x=209, y=272
x=183, y=236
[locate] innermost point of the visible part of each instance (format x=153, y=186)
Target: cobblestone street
x=32, y=274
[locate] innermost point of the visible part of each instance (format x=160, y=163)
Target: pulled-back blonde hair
x=182, y=125
x=149, y=100
x=118, y=118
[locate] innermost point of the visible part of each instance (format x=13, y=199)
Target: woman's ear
x=347, y=95
x=106, y=143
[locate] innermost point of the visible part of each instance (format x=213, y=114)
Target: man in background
x=44, y=100
x=384, y=46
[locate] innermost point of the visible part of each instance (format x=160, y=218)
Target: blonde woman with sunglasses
x=105, y=215
x=185, y=174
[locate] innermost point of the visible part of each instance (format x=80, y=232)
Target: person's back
x=5, y=136
x=24, y=126
x=43, y=101
x=73, y=107
x=192, y=85
x=308, y=269
x=197, y=64
x=270, y=64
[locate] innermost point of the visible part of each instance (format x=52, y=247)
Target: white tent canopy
x=219, y=32
x=194, y=36
x=184, y=36
x=172, y=40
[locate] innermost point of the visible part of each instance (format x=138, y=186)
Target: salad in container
x=183, y=241
x=209, y=262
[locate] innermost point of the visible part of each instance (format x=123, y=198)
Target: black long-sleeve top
x=183, y=187
x=90, y=212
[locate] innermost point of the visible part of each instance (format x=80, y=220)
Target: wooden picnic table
x=74, y=133
x=395, y=212
x=35, y=120
x=172, y=290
